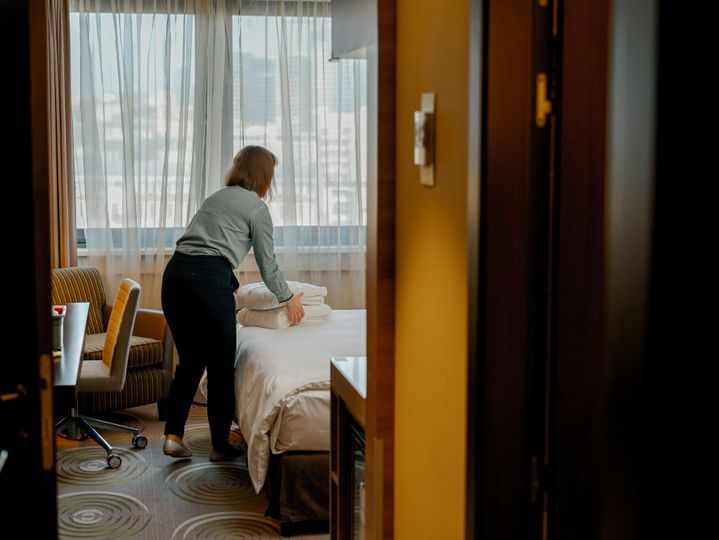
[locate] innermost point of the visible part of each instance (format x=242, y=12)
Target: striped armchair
x=149, y=368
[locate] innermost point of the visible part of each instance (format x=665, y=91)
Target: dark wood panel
x=580, y=289
x=504, y=312
x=27, y=481
x=511, y=265
x=381, y=274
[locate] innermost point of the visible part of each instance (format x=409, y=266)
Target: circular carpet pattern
x=198, y=413
x=218, y=484
x=227, y=525
x=100, y=514
x=87, y=466
x=197, y=438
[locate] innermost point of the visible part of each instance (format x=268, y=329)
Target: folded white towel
x=276, y=319
x=258, y=296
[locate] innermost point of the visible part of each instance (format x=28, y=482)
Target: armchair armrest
x=151, y=323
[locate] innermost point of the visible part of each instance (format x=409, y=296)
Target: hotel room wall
x=431, y=275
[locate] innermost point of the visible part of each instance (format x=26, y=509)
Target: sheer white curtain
x=165, y=92
x=312, y=114
x=133, y=84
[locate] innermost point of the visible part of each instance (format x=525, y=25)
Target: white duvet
x=282, y=381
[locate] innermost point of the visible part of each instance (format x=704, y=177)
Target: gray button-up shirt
x=230, y=222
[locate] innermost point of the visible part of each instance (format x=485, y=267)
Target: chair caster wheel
x=114, y=461
x=139, y=441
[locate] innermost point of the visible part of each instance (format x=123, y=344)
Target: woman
x=198, y=301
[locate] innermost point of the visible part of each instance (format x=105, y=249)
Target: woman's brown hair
x=253, y=169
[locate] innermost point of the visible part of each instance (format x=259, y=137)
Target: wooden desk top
x=348, y=380
x=67, y=368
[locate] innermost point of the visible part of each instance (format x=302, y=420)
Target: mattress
x=282, y=381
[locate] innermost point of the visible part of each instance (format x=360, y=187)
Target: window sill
x=306, y=259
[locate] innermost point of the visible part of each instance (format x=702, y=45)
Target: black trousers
x=198, y=302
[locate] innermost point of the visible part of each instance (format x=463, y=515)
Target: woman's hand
x=295, y=311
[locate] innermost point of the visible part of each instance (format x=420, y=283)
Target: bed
x=282, y=391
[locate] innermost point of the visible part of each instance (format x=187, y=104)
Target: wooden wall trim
x=381, y=274
x=508, y=230
x=580, y=292
x=40, y=126
x=511, y=263
x=27, y=481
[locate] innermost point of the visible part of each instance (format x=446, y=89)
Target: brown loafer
x=176, y=449
x=224, y=454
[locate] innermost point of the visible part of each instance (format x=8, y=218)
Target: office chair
x=109, y=373
x=150, y=364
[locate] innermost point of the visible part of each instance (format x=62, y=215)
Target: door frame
x=381, y=181
x=610, y=300
x=28, y=478
x=508, y=242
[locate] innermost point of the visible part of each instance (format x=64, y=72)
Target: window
x=130, y=117
x=322, y=105
x=143, y=115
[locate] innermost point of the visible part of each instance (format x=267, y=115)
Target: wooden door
x=510, y=194
x=579, y=346
x=27, y=478
x=623, y=246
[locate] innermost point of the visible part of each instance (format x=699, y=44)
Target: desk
x=348, y=382
x=68, y=367
x=348, y=376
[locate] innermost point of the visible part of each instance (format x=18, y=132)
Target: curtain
x=312, y=114
x=164, y=93
x=132, y=101
x=62, y=193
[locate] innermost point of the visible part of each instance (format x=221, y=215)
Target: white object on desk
x=58, y=316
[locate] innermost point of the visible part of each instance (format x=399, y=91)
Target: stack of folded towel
x=259, y=307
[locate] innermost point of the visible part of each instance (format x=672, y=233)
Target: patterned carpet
x=152, y=496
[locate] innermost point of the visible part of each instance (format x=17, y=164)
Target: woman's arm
x=264, y=245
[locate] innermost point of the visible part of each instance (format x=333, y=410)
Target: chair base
x=75, y=425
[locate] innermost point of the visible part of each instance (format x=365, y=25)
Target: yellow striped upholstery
x=80, y=284
x=143, y=351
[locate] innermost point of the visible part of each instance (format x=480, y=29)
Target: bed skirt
x=298, y=487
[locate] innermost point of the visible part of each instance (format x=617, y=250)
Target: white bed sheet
x=282, y=381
